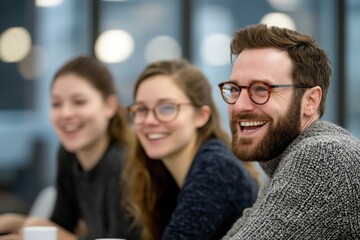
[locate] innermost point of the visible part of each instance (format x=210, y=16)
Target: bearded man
x=276, y=97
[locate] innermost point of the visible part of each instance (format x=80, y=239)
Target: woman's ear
x=203, y=116
x=311, y=101
x=111, y=105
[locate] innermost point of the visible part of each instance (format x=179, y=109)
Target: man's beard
x=276, y=140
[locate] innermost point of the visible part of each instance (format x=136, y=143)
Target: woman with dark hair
x=93, y=130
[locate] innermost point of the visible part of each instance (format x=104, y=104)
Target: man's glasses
x=259, y=92
x=163, y=112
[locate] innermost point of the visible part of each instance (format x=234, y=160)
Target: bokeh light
x=15, y=44
x=114, y=46
x=161, y=48
x=48, y=3
x=34, y=64
x=215, y=49
x=279, y=20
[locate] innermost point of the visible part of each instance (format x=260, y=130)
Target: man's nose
x=244, y=102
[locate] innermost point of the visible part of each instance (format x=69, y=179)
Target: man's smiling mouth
x=250, y=126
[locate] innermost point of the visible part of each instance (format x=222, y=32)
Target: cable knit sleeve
x=310, y=195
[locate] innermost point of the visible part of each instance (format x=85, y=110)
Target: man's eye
x=259, y=88
x=234, y=89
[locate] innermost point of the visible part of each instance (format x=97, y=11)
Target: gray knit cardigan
x=312, y=190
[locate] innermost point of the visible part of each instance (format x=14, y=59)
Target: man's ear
x=203, y=115
x=311, y=101
x=111, y=105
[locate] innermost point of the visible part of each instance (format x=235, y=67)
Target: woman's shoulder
x=113, y=157
x=216, y=152
x=215, y=158
x=215, y=168
x=115, y=150
x=214, y=146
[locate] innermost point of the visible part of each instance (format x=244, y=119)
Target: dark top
x=216, y=191
x=93, y=196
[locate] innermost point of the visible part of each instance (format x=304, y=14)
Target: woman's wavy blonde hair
x=145, y=179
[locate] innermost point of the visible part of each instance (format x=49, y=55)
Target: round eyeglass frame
x=131, y=110
x=269, y=88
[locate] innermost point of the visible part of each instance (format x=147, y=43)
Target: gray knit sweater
x=313, y=190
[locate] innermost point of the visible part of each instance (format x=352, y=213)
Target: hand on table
x=11, y=237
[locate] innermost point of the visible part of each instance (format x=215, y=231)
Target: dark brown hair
x=311, y=65
x=98, y=75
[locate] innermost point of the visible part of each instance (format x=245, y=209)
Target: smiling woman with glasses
x=182, y=181
x=164, y=112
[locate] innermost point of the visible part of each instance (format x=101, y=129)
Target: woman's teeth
x=154, y=136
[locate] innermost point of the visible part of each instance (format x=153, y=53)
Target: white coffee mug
x=40, y=233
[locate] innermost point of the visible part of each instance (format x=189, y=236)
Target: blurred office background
x=37, y=36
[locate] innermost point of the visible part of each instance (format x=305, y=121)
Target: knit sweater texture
x=217, y=189
x=312, y=190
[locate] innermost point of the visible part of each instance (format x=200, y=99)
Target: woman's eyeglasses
x=163, y=112
x=259, y=92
